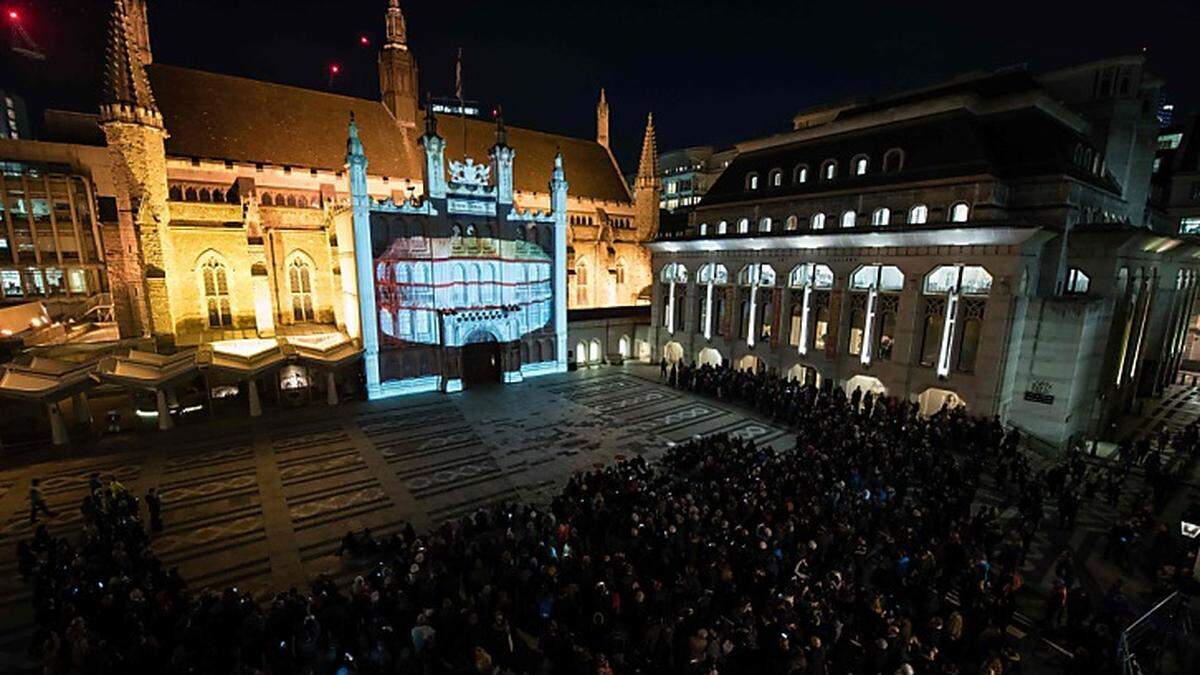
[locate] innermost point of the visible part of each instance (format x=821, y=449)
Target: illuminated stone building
x=236, y=192
x=978, y=242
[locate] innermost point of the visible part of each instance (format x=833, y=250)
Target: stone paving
x=263, y=504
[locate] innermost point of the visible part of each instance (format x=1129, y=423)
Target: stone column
x=58, y=428
x=83, y=412
x=331, y=392
x=164, y=412
x=255, y=404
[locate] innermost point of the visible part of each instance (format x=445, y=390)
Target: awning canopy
x=146, y=370
x=47, y=380
x=242, y=358
x=327, y=350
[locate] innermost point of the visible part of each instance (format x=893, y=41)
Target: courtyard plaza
x=263, y=504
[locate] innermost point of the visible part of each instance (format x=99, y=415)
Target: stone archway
x=868, y=384
x=804, y=375
x=623, y=347
x=709, y=357
x=749, y=362
x=482, y=360
x=673, y=352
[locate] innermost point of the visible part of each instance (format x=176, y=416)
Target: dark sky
x=712, y=72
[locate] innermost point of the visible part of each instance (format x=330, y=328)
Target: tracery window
x=757, y=302
x=810, y=285
x=300, y=288
x=871, y=286
x=214, y=278
x=955, y=294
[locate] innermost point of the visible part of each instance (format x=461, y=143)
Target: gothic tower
x=398, y=69
x=647, y=188
x=133, y=129
x=602, y=120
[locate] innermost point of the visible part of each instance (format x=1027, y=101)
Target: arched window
x=752, y=181
x=818, y=221
x=893, y=160
x=931, y=333
x=175, y=194
x=764, y=225
x=849, y=218
x=959, y=212
x=743, y=225
x=1078, y=282
x=919, y=213
x=821, y=328
x=581, y=282
x=190, y=195
x=860, y=165
x=854, y=345
x=775, y=178
x=881, y=216
x=791, y=223
x=800, y=174
x=214, y=279
x=703, y=229
x=205, y=195
x=829, y=169
x=300, y=288
x=722, y=227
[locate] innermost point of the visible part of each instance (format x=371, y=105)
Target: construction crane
x=22, y=42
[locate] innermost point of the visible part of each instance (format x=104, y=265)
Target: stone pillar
x=164, y=411
x=264, y=310
x=331, y=392
x=172, y=397
x=83, y=412
x=255, y=404
x=58, y=428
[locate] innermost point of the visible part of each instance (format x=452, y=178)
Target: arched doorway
x=750, y=362
x=673, y=352
x=868, y=384
x=932, y=399
x=709, y=357
x=623, y=347
x=804, y=375
x=581, y=353
x=481, y=359
x=594, y=352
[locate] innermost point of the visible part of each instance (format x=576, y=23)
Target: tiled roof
x=233, y=118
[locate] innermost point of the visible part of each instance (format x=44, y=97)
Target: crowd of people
x=858, y=551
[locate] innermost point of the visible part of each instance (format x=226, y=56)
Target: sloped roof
x=1014, y=144
x=223, y=117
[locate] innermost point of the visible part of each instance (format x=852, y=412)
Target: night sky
x=712, y=72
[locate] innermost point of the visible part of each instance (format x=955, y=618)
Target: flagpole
x=462, y=108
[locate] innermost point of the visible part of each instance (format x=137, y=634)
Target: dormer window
x=775, y=178
x=860, y=165
x=751, y=181
x=800, y=174
x=960, y=212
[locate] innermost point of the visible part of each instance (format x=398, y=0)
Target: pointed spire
x=397, y=27
x=647, y=175
x=127, y=95
x=501, y=132
x=602, y=119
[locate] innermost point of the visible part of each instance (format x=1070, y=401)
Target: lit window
x=764, y=225
x=1078, y=283
x=215, y=281
x=849, y=218
x=722, y=227
x=743, y=226
x=881, y=216
x=959, y=212
x=751, y=181
x=1157, y=164
x=829, y=169
x=1170, y=141
x=703, y=229
x=800, y=174
x=776, y=178
x=919, y=213
x=1189, y=225
x=860, y=166
x=300, y=287
x=818, y=221
x=791, y=223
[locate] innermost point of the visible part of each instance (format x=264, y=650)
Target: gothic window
x=703, y=229
x=775, y=178
x=893, y=160
x=581, y=282
x=821, y=328
x=800, y=174
x=849, y=218
x=764, y=225
x=722, y=227
x=972, y=322
x=796, y=319
x=857, y=323
x=176, y=195
x=818, y=221
x=205, y=195
x=744, y=322
x=881, y=216
x=214, y=278
x=791, y=223
x=743, y=226
x=300, y=286
x=888, y=309
x=860, y=165
x=702, y=312
x=959, y=212
x=189, y=195
x=918, y=214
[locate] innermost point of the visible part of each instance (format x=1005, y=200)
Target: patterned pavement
x=263, y=504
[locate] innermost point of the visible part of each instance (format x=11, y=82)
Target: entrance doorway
x=481, y=360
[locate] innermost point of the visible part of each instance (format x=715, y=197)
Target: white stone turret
x=502, y=163
x=558, y=205
x=360, y=202
x=435, y=157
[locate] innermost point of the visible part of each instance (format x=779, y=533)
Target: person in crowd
x=154, y=507
x=37, y=501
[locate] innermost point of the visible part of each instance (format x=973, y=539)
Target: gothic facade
x=236, y=200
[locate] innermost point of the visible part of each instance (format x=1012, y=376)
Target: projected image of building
x=458, y=287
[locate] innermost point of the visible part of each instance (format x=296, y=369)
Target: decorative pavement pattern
x=263, y=504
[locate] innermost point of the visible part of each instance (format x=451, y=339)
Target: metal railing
x=1158, y=630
